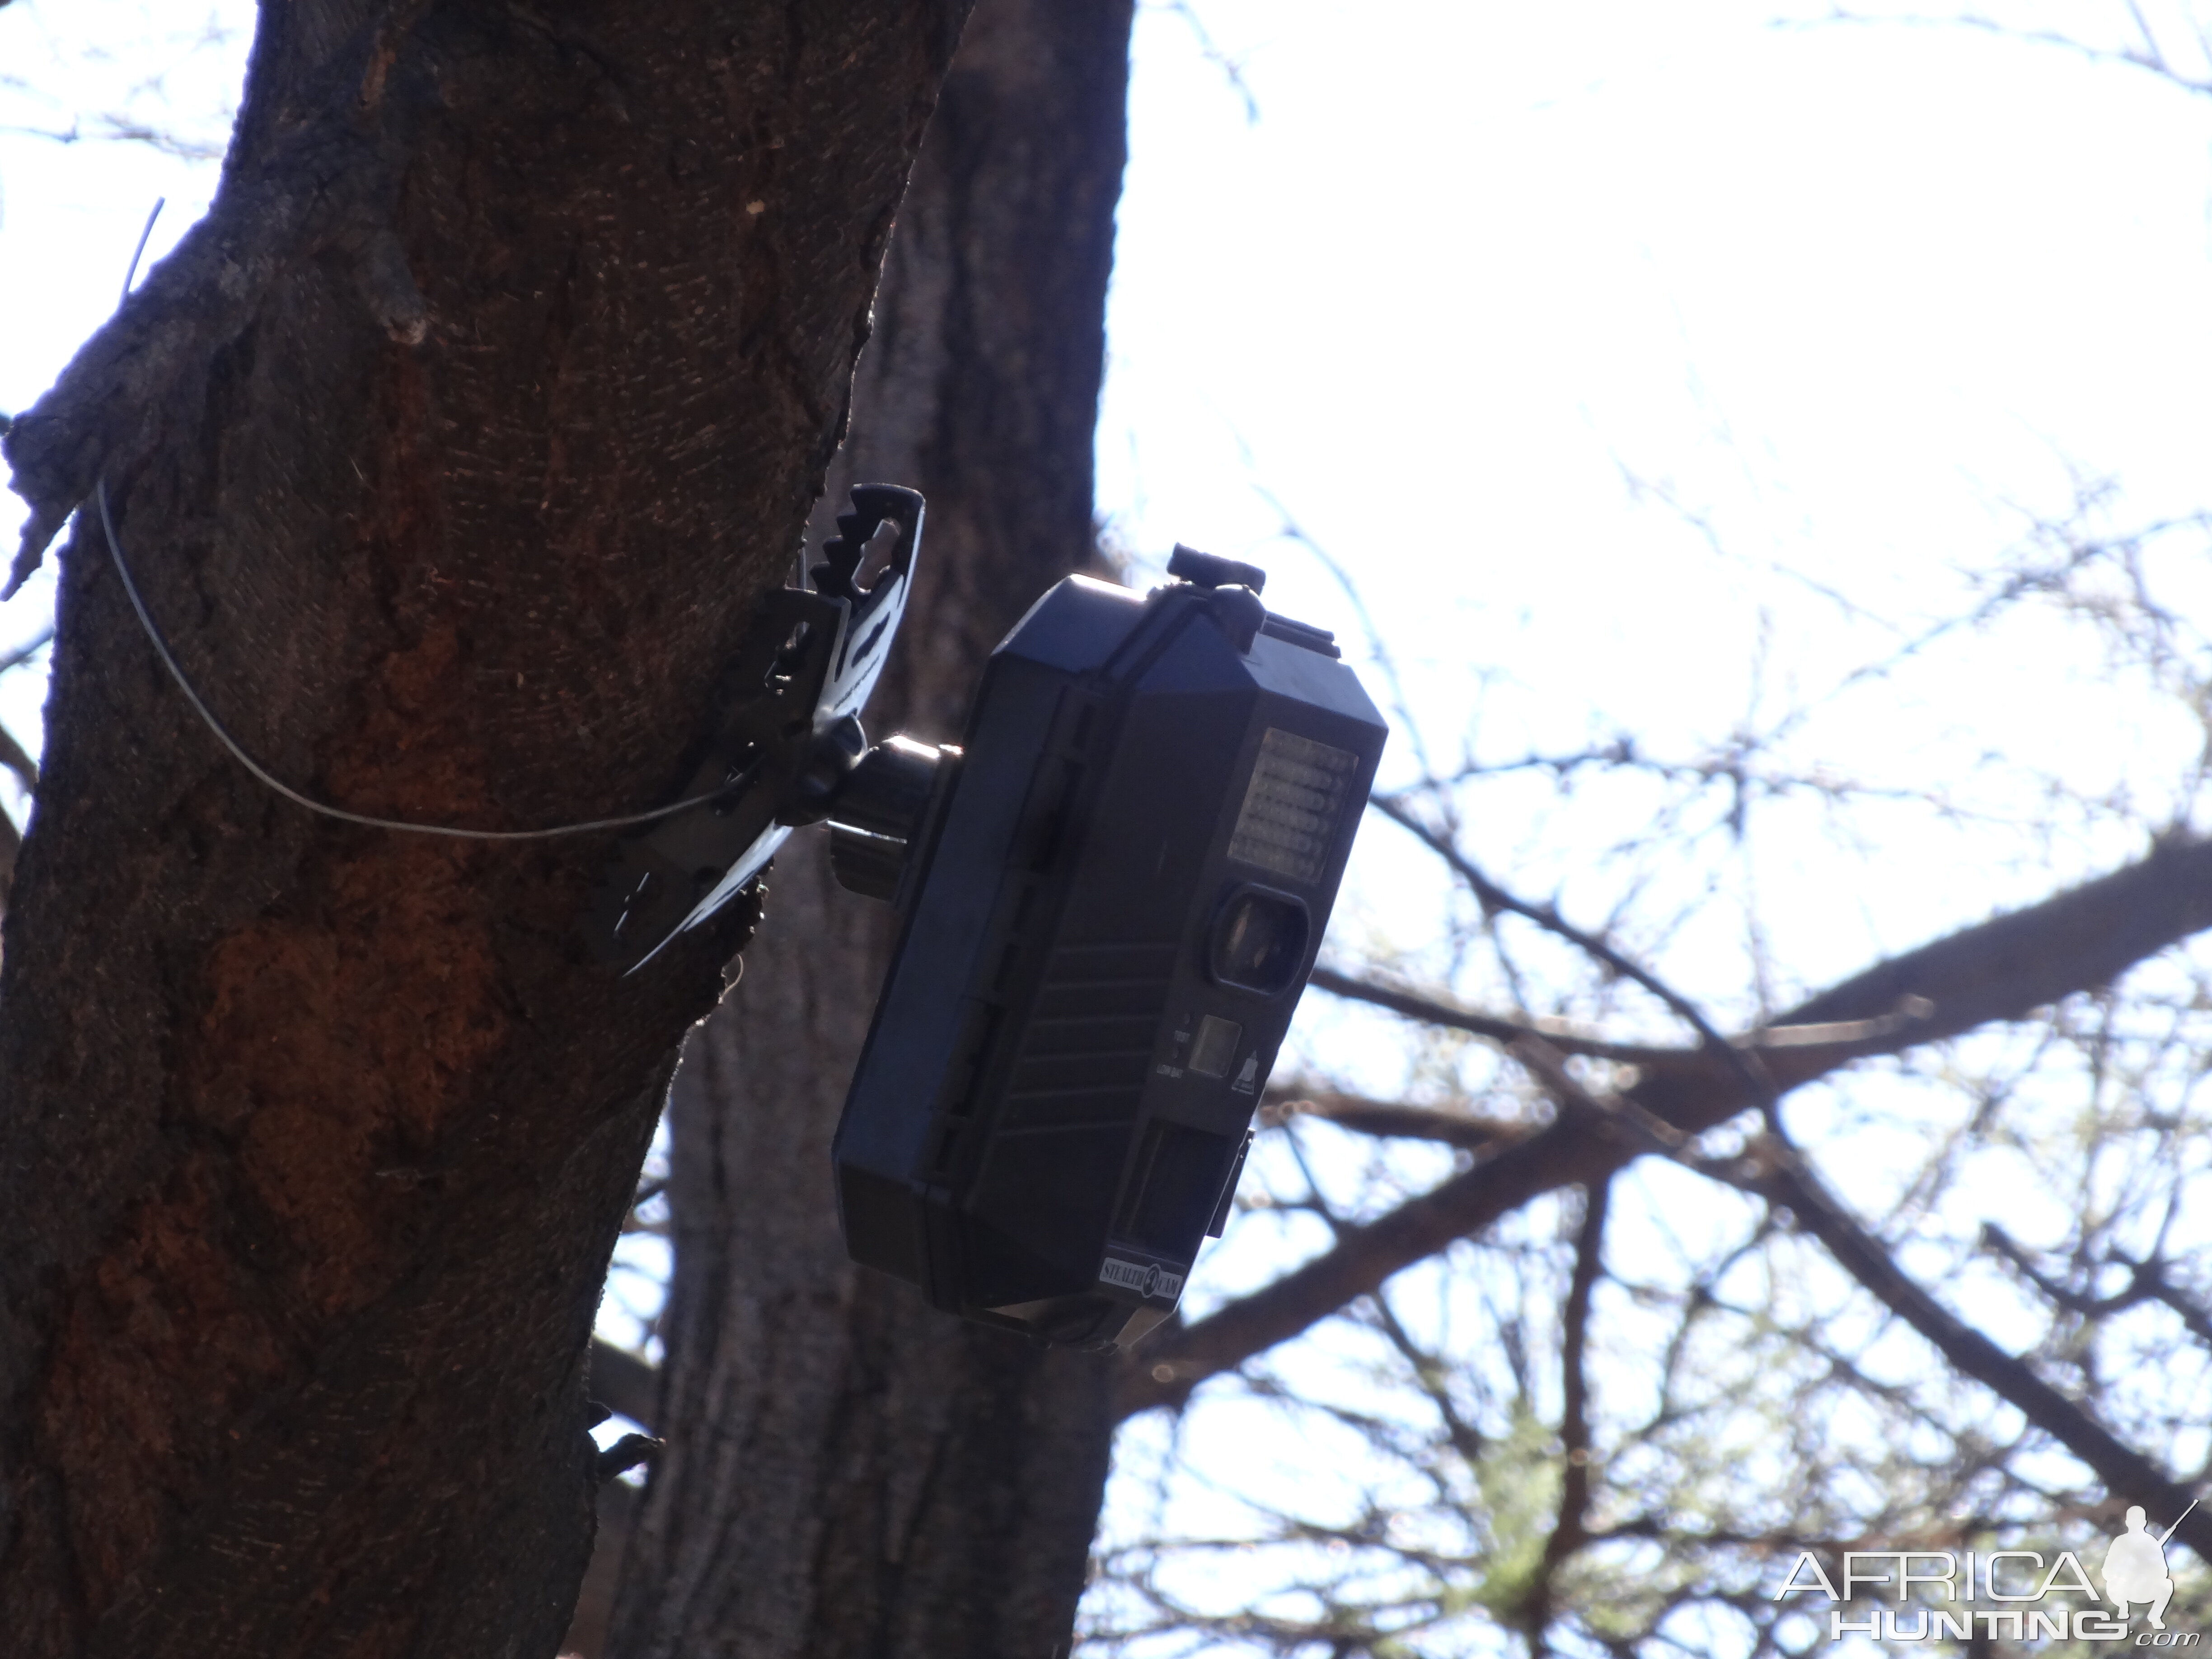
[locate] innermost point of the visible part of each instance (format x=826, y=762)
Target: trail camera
x=1113, y=890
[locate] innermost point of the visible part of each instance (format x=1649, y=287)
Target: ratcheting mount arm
x=786, y=730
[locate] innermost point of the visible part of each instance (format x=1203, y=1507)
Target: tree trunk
x=848, y=1472
x=453, y=452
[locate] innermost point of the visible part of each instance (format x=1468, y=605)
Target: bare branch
x=1232, y=69
x=1378, y=650
x=1432, y=1377
x=1748, y=1071
x=2147, y=55
x=11, y=847
x=17, y=761
x=1569, y=1038
x=121, y=128
x=1392, y=1118
x=1997, y=1238
x=1782, y=1176
x=1571, y=1532
x=625, y=1383
x=2146, y=1282
x=1431, y=1011
x=2000, y=969
x=37, y=642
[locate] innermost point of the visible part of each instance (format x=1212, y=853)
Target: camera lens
x=1260, y=941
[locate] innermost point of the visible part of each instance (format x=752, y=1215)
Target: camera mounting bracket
x=788, y=702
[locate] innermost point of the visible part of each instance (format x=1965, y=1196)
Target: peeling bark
x=452, y=450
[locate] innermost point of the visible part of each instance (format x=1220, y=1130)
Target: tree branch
x=121, y=128
x=1391, y=1119
x=2146, y=1282
x=2192, y=1314
x=16, y=760
x=1571, y=1532
x=1998, y=970
x=1499, y=1029
x=1749, y=1072
x=2148, y=57
x=11, y=847
x=1783, y=1177
x=1569, y=1038
x=1434, y=1379
x=623, y=1383
x=37, y=642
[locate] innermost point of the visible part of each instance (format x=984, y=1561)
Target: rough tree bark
x=849, y=1472
x=454, y=450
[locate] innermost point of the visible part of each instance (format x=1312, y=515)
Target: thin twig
x=30, y=649
x=1749, y=1071
x=1779, y=1172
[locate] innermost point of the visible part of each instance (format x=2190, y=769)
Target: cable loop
x=237, y=749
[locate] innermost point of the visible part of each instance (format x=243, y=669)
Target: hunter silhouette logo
x=2006, y=1593
x=2135, y=1567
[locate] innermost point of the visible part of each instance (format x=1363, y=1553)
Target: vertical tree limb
x=850, y=1472
x=1571, y=1531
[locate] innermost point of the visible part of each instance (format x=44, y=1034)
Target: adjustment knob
x=885, y=793
x=864, y=864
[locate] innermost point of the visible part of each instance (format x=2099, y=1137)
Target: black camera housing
x=1112, y=901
